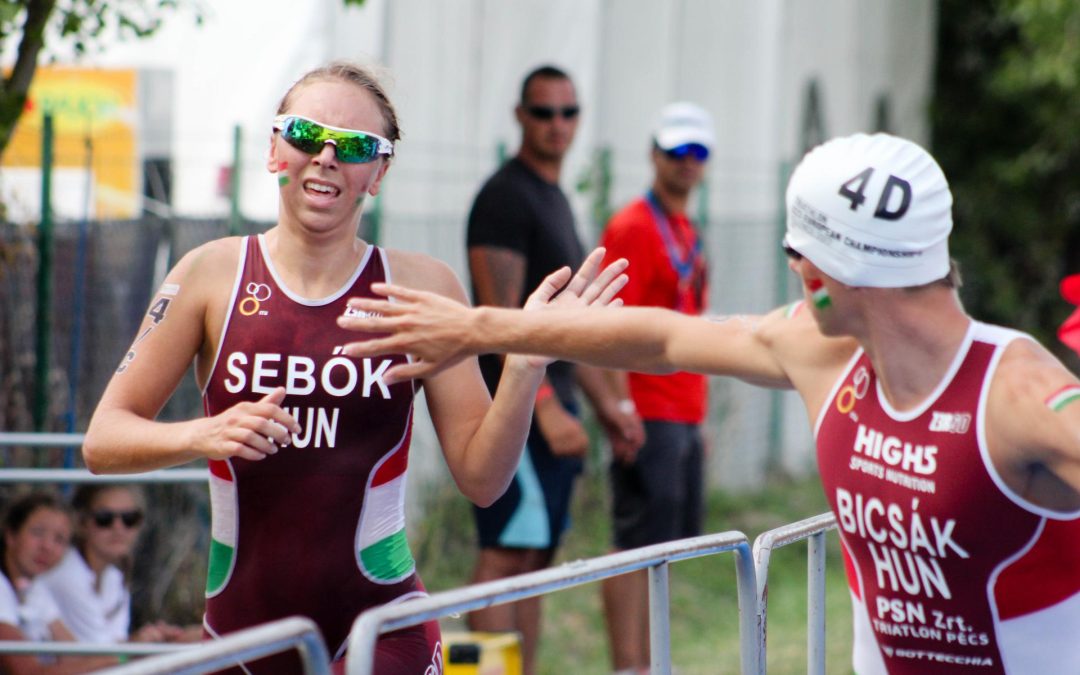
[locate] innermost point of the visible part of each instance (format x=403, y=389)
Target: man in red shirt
x=657, y=490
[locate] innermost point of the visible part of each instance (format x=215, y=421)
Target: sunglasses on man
x=547, y=112
x=695, y=150
x=105, y=518
x=351, y=145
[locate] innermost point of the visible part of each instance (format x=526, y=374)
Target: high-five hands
x=436, y=330
x=590, y=286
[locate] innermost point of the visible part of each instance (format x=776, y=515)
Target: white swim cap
x=871, y=211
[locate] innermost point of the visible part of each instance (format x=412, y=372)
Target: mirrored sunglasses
x=106, y=518
x=547, y=112
x=695, y=150
x=350, y=145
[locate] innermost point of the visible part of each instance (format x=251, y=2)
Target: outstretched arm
x=439, y=332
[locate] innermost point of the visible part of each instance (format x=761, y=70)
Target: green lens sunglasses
x=351, y=146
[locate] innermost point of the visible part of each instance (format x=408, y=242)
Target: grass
x=704, y=606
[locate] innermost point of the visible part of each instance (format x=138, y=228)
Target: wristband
x=545, y=392
x=626, y=407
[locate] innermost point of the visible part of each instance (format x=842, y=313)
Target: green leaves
x=1007, y=134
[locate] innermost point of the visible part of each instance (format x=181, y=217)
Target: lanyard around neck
x=684, y=265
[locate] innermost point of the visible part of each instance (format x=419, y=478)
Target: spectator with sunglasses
x=521, y=229
x=91, y=583
x=308, y=448
x=36, y=533
x=657, y=489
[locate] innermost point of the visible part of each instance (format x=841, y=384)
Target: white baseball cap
x=871, y=210
x=681, y=123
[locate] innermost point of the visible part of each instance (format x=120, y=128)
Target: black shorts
x=535, y=510
x=660, y=497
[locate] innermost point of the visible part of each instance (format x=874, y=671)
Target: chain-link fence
x=102, y=277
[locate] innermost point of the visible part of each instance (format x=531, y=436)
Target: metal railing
x=370, y=624
x=91, y=648
x=59, y=440
x=295, y=632
x=812, y=529
x=39, y=439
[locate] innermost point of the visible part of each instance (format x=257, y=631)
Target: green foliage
x=1007, y=134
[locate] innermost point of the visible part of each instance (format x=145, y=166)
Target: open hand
x=590, y=286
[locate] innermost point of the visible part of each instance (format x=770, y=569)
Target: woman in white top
x=37, y=532
x=90, y=585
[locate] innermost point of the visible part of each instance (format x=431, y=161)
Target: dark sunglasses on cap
x=106, y=518
x=695, y=150
x=791, y=252
x=547, y=112
x=350, y=145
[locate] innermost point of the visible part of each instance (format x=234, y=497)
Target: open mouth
x=321, y=189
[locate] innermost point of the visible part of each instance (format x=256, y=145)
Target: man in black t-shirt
x=521, y=228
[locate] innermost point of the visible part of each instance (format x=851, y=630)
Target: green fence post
x=44, y=280
x=234, y=185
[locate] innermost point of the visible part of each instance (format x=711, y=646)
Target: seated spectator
x=36, y=533
x=90, y=585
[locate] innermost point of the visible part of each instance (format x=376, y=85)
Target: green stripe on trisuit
x=220, y=563
x=388, y=558
x=1063, y=397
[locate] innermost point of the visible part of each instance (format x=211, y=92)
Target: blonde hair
x=345, y=71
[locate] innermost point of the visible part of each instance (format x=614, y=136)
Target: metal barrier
x=50, y=440
x=246, y=645
x=39, y=439
x=90, y=648
x=813, y=529
x=656, y=558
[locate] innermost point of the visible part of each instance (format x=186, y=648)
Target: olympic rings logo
x=257, y=294
x=849, y=394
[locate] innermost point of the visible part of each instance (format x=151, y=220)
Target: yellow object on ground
x=481, y=653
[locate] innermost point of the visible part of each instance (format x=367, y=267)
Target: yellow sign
x=95, y=126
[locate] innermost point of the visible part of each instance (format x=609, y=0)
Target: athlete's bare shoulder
x=1033, y=414
x=210, y=262
x=793, y=335
x=203, y=279
x=811, y=360
x=424, y=272
x=1028, y=372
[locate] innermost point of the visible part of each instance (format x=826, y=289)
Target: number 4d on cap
x=871, y=210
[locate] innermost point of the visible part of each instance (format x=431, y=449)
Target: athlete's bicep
x=1034, y=412
x=170, y=335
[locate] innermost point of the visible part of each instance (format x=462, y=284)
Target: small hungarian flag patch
x=1063, y=397
x=819, y=293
